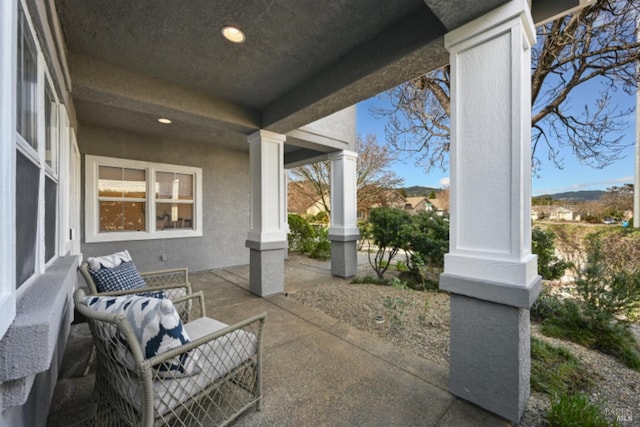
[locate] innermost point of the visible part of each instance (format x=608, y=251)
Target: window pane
x=122, y=216
x=27, y=184
x=135, y=183
x=51, y=129
x=27, y=81
x=177, y=186
x=121, y=182
x=170, y=216
x=109, y=182
x=50, y=196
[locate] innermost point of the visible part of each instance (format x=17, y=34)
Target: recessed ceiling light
x=164, y=121
x=233, y=34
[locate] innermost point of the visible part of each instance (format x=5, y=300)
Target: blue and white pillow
x=156, y=325
x=122, y=277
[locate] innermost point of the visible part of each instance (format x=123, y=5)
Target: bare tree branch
x=596, y=44
x=374, y=178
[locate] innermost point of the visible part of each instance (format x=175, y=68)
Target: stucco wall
x=226, y=201
x=31, y=350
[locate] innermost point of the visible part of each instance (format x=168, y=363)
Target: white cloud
x=586, y=185
x=444, y=182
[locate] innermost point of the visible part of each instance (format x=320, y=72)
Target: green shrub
x=398, y=284
x=364, y=227
x=425, y=241
x=386, y=226
x=321, y=247
x=571, y=321
x=575, y=410
x=430, y=285
x=368, y=280
x=543, y=244
x=301, y=234
x=321, y=217
x=546, y=305
x=554, y=370
x=401, y=266
x=609, y=286
x=604, y=293
x=395, y=309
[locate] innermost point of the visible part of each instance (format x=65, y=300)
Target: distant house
x=303, y=200
x=390, y=199
x=416, y=205
x=540, y=212
x=564, y=214
x=440, y=205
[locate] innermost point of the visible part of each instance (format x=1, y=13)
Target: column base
x=266, y=268
x=344, y=255
x=490, y=355
x=490, y=360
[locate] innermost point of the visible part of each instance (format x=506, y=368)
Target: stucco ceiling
x=131, y=61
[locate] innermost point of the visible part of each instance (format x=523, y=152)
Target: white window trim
x=64, y=177
x=92, y=226
x=8, y=33
x=75, y=177
x=37, y=154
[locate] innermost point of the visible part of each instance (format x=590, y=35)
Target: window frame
x=38, y=155
x=92, y=210
x=8, y=123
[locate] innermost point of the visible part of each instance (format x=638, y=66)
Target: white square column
x=490, y=271
x=343, y=231
x=267, y=238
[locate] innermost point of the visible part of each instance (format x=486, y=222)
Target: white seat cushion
x=216, y=360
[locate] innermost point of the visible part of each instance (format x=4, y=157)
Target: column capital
x=262, y=134
x=493, y=22
x=343, y=154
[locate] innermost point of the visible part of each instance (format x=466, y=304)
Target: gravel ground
x=419, y=321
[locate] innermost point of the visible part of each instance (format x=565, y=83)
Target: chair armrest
x=168, y=287
x=184, y=305
x=161, y=277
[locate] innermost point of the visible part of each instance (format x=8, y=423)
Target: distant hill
x=582, y=196
x=418, y=190
x=575, y=196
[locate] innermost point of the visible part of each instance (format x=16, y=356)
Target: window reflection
x=121, y=182
x=177, y=186
x=122, y=216
x=170, y=216
x=118, y=189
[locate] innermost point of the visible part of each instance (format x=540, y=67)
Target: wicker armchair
x=174, y=283
x=226, y=380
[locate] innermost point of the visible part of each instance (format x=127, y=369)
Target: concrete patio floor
x=317, y=370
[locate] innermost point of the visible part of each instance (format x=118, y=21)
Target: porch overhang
x=298, y=65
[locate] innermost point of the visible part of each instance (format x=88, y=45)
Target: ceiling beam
x=453, y=14
x=410, y=48
x=110, y=85
x=543, y=11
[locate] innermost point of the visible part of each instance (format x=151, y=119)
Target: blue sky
x=573, y=177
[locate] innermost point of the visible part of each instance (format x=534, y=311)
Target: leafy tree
x=374, y=176
x=542, y=200
x=425, y=241
x=607, y=292
x=596, y=44
x=543, y=244
x=386, y=231
x=301, y=234
x=618, y=199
